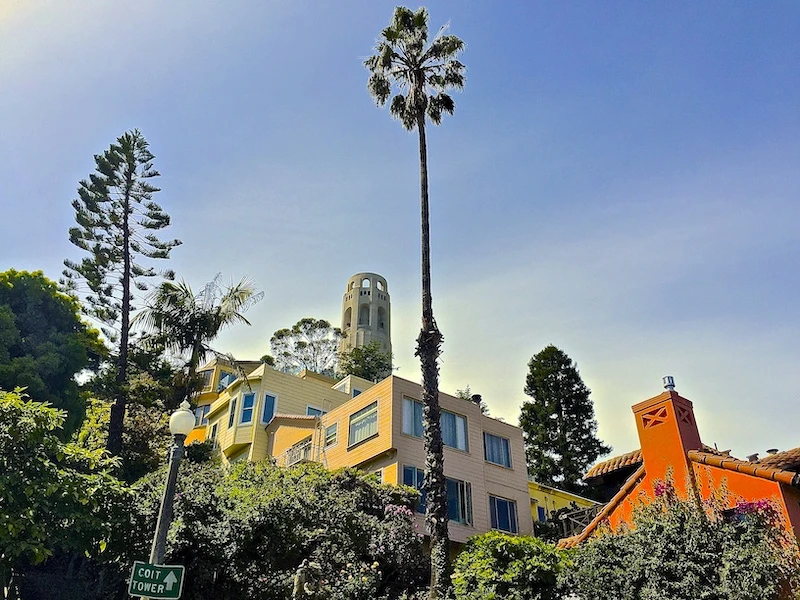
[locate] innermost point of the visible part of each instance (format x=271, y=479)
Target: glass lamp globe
x=182, y=420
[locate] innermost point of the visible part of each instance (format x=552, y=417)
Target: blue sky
x=620, y=179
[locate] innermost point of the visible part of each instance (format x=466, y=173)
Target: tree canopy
x=558, y=423
x=368, y=362
x=53, y=496
x=310, y=343
x=43, y=342
x=116, y=218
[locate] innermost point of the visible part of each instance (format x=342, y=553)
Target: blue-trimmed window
x=414, y=477
x=503, y=514
x=459, y=501
x=270, y=405
x=248, y=401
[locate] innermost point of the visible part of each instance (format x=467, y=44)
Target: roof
x=788, y=460
x=740, y=466
x=623, y=493
x=633, y=459
x=614, y=464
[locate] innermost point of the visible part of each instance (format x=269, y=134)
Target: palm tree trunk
x=428, y=350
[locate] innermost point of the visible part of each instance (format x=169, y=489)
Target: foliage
x=185, y=322
x=498, y=566
x=247, y=533
x=145, y=440
x=685, y=549
x=116, y=219
x=368, y=362
x=423, y=71
x=466, y=394
x=44, y=343
x=311, y=344
x=558, y=424
x=53, y=496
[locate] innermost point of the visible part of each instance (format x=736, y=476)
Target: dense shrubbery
x=687, y=550
x=500, y=566
x=248, y=533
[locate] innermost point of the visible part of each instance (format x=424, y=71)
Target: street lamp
x=181, y=423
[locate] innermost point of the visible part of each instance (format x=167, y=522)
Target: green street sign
x=156, y=581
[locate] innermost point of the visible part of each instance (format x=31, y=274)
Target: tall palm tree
x=422, y=71
x=185, y=322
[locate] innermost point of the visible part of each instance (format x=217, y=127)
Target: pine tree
x=558, y=424
x=116, y=216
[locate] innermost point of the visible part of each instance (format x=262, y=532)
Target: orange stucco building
x=671, y=448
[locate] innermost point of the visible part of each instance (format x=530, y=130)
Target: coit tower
x=366, y=312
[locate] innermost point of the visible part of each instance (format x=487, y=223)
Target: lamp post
x=181, y=423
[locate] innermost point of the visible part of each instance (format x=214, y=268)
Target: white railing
x=304, y=452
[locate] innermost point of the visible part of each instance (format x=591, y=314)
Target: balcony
x=305, y=451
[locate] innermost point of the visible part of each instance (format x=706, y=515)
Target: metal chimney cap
x=772, y=451
x=753, y=457
x=669, y=382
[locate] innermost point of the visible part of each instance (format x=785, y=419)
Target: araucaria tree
x=422, y=71
x=558, y=423
x=116, y=219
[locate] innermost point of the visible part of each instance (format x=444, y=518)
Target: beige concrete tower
x=366, y=312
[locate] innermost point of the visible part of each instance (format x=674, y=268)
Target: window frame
x=419, y=484
x=311, y=407
x=331, y=444
x=201, y=415
x=245, y=408
x=494, y=514
x=464, y=502
x=466, y=430
x=264, y=407
x=232, y=412
x=507, y=449
x=362, y=414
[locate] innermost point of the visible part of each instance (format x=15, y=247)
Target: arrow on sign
x=170, y=580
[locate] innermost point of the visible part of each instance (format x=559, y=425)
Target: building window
x=225, y=379
x=313, y=411
x=270, y=406
x=459, y=501
x=356, y=392
x=232, y=414
x=363, y=424
x=201, y=415
x=205, y=376
x=331, y=435
x=213, y=435
x=412, y=417
x=541, y=513
x=414, y=477
x=454, y=430
x=365, y=282
x=454, y=427
x=248, y=401
x=503, y=514
x=496, y=449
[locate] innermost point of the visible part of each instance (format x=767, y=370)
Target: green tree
x=185, y=322
x=116, y=217
x=310, y=343
x=466, y=394
x=423, y=71
x=498, y=566
x=43, y=342
x=558, y=424
x=246, y=533
x=53, y=496
x=368, y=362
x=684, y=549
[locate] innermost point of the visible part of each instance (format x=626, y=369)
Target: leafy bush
x=255, y=531
x=690, y=550
x=500, y=566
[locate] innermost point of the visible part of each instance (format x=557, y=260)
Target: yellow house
x=546, y=499
x=380, y=431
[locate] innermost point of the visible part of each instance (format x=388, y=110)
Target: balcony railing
x=304, y=452
x=575, y=521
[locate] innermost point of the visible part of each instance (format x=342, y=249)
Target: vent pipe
x=669, y=382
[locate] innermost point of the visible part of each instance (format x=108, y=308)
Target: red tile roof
x=788, y=460
x=614, y=464
x=750, y=468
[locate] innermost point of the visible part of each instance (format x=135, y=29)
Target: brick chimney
x=667, y=431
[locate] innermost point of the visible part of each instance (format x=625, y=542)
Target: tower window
x=363, y=315
x=379, y=284
x=365, y=282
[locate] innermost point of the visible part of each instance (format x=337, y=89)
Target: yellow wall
x=552, y=499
